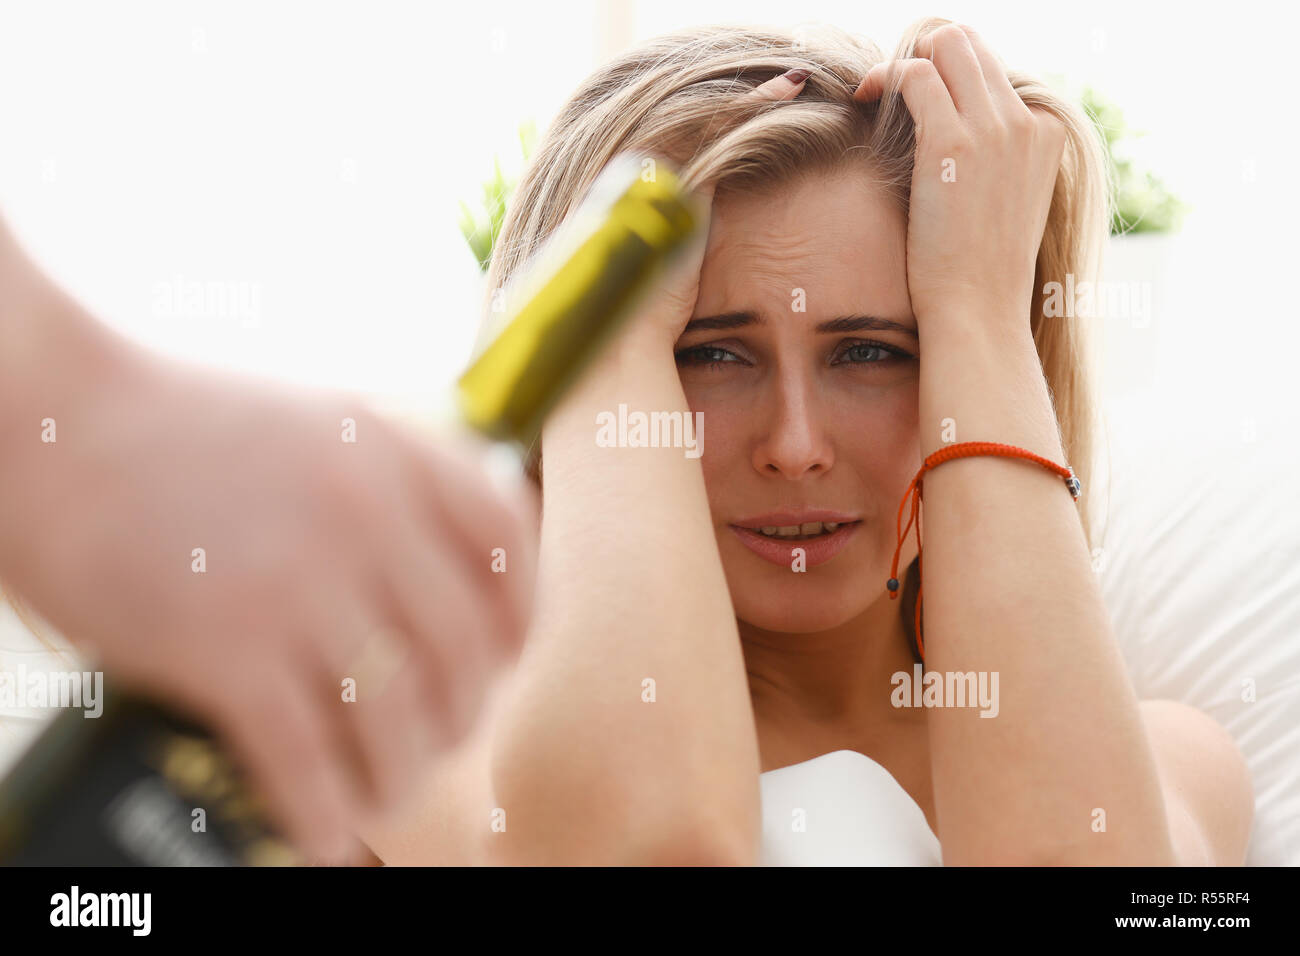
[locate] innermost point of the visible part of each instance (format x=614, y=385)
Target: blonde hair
x=680, y=96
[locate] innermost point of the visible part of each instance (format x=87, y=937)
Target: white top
x=842, y=809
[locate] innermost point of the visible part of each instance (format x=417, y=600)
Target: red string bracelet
x=964, y=449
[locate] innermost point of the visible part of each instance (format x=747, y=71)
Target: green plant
x=1142, y=201
x=481, y=226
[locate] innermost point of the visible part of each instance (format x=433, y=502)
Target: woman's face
x=809, y=399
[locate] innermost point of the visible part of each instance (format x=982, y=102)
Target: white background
x=311, y=155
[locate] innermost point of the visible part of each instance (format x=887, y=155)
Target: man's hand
x=249, y=553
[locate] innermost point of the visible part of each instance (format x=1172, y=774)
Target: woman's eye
x=705, y=355
x=861, y=354
x=865, y=353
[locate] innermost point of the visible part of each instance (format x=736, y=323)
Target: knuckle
x=960, y=143
x=1021, y=123
x=921, y=70
x=986, y=130
x=1041, y=117
x=948, y=35
x=1048, y=127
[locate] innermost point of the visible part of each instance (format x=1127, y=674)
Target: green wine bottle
x=141, y=785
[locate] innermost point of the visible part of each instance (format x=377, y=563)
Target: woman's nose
x=793, y=440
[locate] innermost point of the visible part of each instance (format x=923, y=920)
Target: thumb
x=672, y=299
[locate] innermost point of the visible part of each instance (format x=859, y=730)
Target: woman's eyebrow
x=847, y=323
x=727, y=320
x=867, y=323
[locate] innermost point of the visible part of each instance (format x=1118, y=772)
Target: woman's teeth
x=807, y=529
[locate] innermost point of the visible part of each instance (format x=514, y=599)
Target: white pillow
x=1200, y=569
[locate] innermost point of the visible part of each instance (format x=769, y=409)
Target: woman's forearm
x=1063, y=773
x=632, y=735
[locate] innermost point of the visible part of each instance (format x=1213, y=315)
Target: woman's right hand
x=673, y=303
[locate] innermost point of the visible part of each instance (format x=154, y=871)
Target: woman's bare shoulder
x=1206, y=784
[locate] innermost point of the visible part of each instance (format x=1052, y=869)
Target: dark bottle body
x=136, y=786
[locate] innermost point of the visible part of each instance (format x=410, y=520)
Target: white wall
x=304, y=161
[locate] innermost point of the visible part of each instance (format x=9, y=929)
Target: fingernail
x=797, y=76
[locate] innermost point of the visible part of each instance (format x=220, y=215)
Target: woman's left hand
x=982, y=183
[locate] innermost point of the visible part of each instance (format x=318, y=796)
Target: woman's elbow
x=548, y=840
x=725, y=844
x=599, y=824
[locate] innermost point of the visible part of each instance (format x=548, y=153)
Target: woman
x=871, y=290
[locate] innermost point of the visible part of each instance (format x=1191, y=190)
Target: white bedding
x=842, y=809
x=1201, y=574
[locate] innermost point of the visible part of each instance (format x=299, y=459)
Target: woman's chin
x=769, y=612
x=777, y=599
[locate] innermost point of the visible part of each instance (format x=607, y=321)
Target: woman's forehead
x=842, y=196
x=832, y=236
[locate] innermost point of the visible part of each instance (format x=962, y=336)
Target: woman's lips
x=816, y=550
